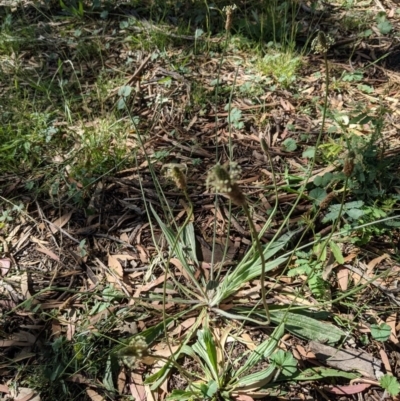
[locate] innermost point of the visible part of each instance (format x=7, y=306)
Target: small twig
x=62, y=231
x=133, y=77
x=110, y=237
x=379, y=5
x=257, y=241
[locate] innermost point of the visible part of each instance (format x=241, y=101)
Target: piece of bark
x=347, y=360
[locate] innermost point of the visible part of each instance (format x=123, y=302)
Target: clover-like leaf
x=380, y=332
x=390, y=384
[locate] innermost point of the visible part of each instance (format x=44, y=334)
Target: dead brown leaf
x=137, y=387
x=115, y=266
x=60, y=222
x=5, y=265
x=142, y=254
x=4, y=389
x=19, y=339
x=385, y=361
x=374, y=262
x=186, y=324
x=147, y=287
x=343, y=278
x=391, y=321
x=24, y=394
x=177, y=263
x=243, y=397
x=121, y=381
x=348, y=390
x=94, y=395
x=25, y=285
x=346, y=359
x=48, y=252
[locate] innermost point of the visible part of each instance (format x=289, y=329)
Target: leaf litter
x=90, y=266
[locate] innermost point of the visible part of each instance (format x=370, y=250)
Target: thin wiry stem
x=254, y=234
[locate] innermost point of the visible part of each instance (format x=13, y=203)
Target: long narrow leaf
x=322, y=373
x=189, y=239
x=256, y=380
x=300, y=325
x=182, y=395
x=206, y=374
x=240, y=276
x=263, y=351
x=173, y=241
x=205, y=348
x=308, y=328
x=246, y=271
x=177, y=247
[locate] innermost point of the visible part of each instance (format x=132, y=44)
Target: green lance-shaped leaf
x=307, y=327
x=299, y=324
x=256, y=380
x=263, y=351
x=173, y=241
x=319, y=373
x=183, y=395
x=250, y=269
x=205, y=348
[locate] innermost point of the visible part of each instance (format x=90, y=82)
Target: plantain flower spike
x=327, y=200
x=322, y=43
x=176, y=173
x=229, y=16
x=136, y=349
x=224, y=183
x=348, y=166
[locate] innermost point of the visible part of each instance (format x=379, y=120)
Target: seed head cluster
x=135, y=350
x=224, y=183
x=229, y=16
x=322, y=43
x=348, y=167
x=175, y=172
x=327, y=200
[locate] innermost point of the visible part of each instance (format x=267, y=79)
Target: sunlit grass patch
x=282, y=66
x=100, y=146
x=29, y=142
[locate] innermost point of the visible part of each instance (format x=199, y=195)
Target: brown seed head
x=322, y=43
x=229, y=16
x=176, y=174
x=327, y=201
x=348, y=167
x=224, y=183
